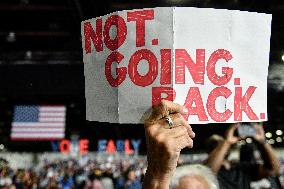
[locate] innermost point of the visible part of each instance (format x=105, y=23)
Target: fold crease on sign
x=229, y=41
x=116, y=67
x=173, y=50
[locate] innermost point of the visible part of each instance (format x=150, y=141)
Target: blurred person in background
x=67, y=182
x=107, y=175
x=248, y=154
x=194, y=176
x=94, y=181
x=5, y=179
x=241, y=174
x=121, y=181
x=167, y=133
x=132, y=181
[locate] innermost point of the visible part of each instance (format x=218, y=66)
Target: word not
x=102, y=34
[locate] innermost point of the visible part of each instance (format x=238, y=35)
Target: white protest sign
x=212, y=61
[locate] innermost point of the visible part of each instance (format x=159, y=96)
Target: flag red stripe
x=40, y=127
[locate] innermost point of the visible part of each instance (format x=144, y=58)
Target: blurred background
x=41, y=70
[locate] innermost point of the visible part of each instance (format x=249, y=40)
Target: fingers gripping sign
x=164, y=143
x=165, y=108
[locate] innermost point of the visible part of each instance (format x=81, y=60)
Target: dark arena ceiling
x=41, y=62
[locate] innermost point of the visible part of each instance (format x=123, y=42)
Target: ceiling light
x=278, y=139
x=268, y=135
x=249, y=140
x=271, y=141
x=279, y=132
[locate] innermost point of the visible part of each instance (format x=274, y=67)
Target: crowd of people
x=88, y=173
x=167, y=133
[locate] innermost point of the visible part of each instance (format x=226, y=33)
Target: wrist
x=228, y=142
x=261, y=141
x=160, y=173
x=156, y=179
x=162, y=167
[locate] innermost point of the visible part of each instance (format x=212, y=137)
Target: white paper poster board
x=213, y=61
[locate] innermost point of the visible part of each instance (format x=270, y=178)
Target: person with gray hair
x=167, y=133
x=195, y=176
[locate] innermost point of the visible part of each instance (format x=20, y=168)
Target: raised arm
x=271, y=164
x=165, y=143
x=217, y=156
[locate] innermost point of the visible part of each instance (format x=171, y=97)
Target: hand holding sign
x=164, y=144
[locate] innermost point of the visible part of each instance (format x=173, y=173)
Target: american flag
x=38, y=122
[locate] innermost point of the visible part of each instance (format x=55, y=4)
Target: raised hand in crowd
x=241, y=174
x=167, y=133
x=217, y=157
x=271, y=164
